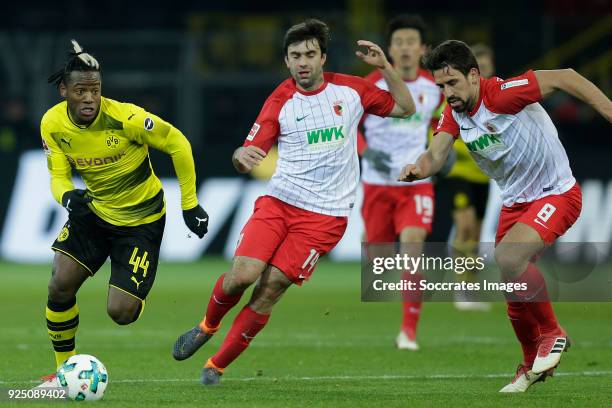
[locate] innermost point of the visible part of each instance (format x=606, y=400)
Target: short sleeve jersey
x=318, y=166
x=513, y=140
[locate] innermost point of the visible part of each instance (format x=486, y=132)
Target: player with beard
x=514, y=141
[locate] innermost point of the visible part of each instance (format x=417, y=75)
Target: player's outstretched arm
x=247, y=157
x=576, y=85
x=163, y=136
x=179, y=148
x=430, y=162
x=404, y=104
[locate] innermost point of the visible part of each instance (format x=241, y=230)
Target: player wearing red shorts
x=314, y=117
x=513, y=140
x=392, y=209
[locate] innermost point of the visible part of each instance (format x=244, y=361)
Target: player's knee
x=236, y=283
x=60, y=290
x=413, y=236
x=243, y=274
x=510, y=265
x=122, y=315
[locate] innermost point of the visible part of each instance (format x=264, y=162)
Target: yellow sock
x=61, y=356
x=62, y=324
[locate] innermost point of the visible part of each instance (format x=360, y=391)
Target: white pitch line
x=347, y=378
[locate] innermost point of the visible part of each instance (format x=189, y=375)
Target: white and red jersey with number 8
x=513, y=140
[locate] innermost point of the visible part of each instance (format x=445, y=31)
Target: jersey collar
x=316, y=91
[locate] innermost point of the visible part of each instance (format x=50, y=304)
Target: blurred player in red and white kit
x=392, y=209
x=514, y=141
x=314, y=117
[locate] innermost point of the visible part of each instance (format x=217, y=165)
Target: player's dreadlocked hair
x=308, y=30
x=78, y=60
x=451, y=53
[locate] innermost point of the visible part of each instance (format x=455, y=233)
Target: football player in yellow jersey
x=121, y=213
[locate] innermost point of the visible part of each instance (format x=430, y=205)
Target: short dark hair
x=451, y=53
x=413, y=21
x=73, y=63
x=308, y=30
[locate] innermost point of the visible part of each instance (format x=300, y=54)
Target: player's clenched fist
x=196, y=220
x=75, y=201
x=245, y=158
x=410, y=173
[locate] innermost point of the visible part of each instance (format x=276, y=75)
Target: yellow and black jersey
x=111, y=155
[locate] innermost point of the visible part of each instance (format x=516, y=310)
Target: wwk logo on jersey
x=485, y=142
x=328, y=136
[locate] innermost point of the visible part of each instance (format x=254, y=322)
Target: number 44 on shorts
x=310, y=262
x=139, y=262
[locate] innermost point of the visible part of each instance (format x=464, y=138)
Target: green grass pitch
x=322, y=347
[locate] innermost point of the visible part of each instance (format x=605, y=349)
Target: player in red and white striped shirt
x=393, y=209
x=513, y=140
x=313, y=116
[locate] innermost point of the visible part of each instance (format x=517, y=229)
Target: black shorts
x=466, y=194
x=134, y=251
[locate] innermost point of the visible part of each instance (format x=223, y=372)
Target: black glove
x=196, y=220
x=380, y=160
x=75, y=201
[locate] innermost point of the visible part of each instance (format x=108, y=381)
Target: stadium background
x=208, y=69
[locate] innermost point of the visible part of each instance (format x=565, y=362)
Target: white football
x=84, y=378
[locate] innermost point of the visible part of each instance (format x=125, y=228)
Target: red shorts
x=290, y=238
x=387, y=210
x=550, y=216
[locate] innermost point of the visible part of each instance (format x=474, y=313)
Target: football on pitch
x=83, y=377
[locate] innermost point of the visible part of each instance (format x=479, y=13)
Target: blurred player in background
x=514, y=141
x=469, y=188
x=485, y=58
x=314, y=117
x=392, y=209
x=121, y=213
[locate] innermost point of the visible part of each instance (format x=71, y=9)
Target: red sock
x=537, y=301
x=411, y=306
x=246, y=326
x=218, y=306
x=526, y=329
